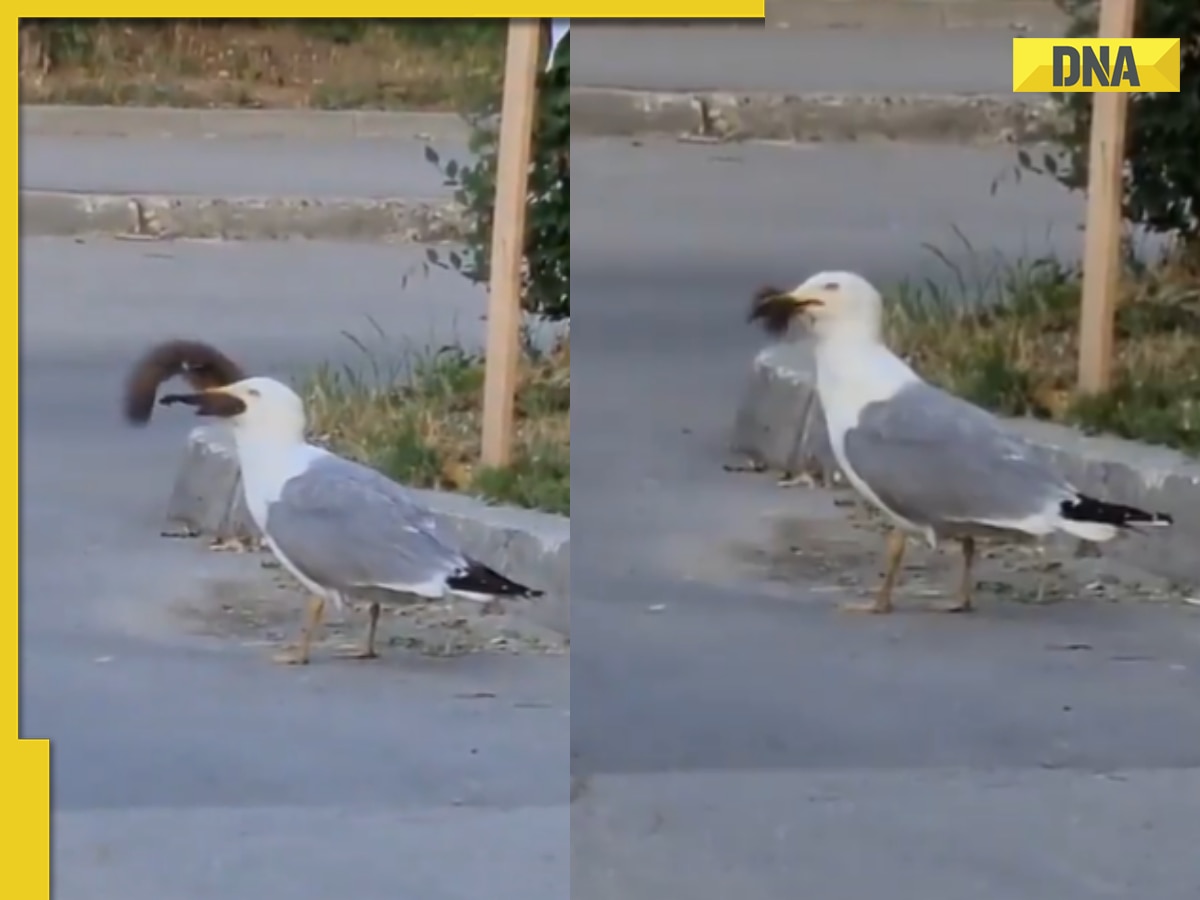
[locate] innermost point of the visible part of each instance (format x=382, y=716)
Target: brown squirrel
x=201, y=364
x=772, y=309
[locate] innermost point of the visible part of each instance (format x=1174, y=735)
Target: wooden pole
x=508, y=239
x=1102, y=240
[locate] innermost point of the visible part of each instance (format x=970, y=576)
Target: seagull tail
x=203, y=365
x=1092, y=519
x=478, y=579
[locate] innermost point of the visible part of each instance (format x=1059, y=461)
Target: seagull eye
x=831, y=286
x=253, y=392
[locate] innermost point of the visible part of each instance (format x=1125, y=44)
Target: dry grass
x=419, y=421
x=1006, y=338
x=226, y=63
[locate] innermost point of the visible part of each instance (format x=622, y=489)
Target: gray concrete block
x=779, y=424
x=528, y=546
x=207, y=495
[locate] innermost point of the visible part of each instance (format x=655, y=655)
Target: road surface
x=188, y=766
x=798, y=62
x=222, y=167
x=732, y=736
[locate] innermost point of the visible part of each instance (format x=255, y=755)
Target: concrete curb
x=725, y=116
x=165, y=216
x=529, y=546
x=779, y=424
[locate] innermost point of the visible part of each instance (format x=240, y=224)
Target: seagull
x=339, y=527
x=935, y=465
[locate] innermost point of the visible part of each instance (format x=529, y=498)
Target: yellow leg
x=962, y=604
x=313, y=617
x=367, y=651
x=882, y=604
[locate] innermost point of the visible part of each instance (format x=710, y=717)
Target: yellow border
x=26, y=763
x=533, y=9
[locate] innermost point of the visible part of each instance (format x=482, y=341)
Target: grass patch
x=1006, y=337
x=326, y=64
x=419, y=421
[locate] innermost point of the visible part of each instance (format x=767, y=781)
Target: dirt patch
x=269, y=611
x=843, y=560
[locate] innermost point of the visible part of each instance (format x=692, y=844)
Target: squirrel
x=203, y=365
x=772, y=310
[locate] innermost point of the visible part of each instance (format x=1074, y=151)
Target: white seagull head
x=256, y=407
x=837, y=304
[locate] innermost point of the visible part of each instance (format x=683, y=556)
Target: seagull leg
x=367, y=651
x=313, y=617
x=882, y=604
x=965, y=587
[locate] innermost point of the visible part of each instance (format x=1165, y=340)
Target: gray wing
x=932, y=457
x=346, y=526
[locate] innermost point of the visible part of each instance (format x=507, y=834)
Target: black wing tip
x=1088, y=509
x=480, y=579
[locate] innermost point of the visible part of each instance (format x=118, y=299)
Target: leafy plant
x=546, y=288
x=1162, y=170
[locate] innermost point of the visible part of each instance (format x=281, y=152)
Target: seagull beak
x=807, y=301
x=776, y=308
x=211, y=402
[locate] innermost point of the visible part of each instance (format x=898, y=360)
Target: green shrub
x=547, y=280
x=1162, y=177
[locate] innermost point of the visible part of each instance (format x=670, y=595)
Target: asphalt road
x=236, y=167
x=188, y=766
x=799, y=61
x=733, y=736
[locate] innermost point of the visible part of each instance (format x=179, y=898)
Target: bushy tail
x=477, y=578
x=1100, y=512
x=203, y=365
x=773, y=309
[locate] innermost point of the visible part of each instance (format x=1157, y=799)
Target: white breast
x=849, y=379
x=266, y=468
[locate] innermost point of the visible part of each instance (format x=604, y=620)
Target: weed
x=1004, y=335
x=416, y=416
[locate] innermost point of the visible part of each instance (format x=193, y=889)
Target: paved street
x=188, y=766
x=800, y=61
x=233, y=168
x=731, y=735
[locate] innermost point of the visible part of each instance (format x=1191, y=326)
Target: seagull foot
x=958, y=606
x=293, y=656
x=872, y=607
x=354, y=651
x=803, y=479
x=232, y=545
